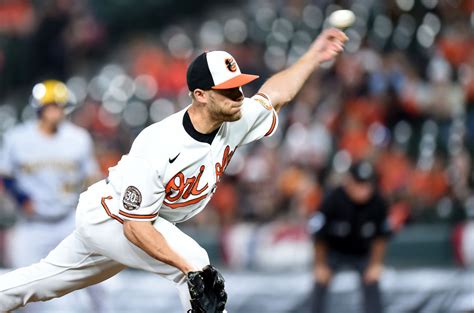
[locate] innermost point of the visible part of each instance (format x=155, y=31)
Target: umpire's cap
x=363, y=171
x=216, y=70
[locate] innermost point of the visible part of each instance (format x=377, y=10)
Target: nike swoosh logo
x=173, y=159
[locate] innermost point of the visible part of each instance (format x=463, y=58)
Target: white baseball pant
x=94, y=252
x=29, y=242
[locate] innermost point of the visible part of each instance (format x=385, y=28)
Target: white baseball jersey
x=49, y=169
x=169, y=176
x=172, y=171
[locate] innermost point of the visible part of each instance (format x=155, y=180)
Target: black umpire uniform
x=350, y=230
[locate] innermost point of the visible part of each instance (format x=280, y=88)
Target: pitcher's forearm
x=377, y=251
x=150, y=240
x=283, y=86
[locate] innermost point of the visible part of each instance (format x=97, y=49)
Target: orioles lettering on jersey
x=220, y=167
x=180, y=187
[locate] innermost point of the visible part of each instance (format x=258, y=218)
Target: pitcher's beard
x=227, y=117
x=232, y=117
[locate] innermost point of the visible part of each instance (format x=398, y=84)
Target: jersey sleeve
x=383, y=228
x=319, y=223
x=7, y=170
x=142, y=193
x=260, y=118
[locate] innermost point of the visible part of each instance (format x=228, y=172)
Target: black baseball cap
x=363, y=171
x=216, y=70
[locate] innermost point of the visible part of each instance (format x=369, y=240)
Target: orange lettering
x=220, y=167
x=193, y=183
x=195, y=191
x=184, y=188
x=172, y=186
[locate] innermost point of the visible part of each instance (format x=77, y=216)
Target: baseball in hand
x=341, y=18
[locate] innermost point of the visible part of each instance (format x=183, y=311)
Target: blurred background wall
x=401, y=95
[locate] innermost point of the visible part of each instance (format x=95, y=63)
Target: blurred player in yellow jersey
x=45, y=164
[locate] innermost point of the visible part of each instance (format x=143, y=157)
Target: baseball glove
x=207, y=291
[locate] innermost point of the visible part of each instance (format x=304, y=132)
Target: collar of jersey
x=189, y=128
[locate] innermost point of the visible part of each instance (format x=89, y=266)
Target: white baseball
x=341, y=18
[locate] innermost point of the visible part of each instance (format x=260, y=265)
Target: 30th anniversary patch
x=132, y=198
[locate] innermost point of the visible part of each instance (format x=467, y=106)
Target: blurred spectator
x=350, y=229
x=48, y=41
x=45, y=39
x=427, y=185
x=16, y=17
x=66, y=29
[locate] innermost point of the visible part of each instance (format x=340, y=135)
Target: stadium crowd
x=401, y=96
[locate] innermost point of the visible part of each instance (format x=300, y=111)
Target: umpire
x=350, y=229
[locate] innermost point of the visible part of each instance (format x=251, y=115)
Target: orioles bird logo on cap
x=231, y=65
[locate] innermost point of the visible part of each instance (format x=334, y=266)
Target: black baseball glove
x=207, y=291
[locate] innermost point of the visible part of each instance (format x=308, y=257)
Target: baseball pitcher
x=169, y=175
